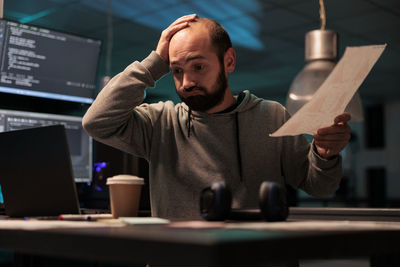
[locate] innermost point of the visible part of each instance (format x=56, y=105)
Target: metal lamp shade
x=320, y=56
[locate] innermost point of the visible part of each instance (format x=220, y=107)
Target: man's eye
x=199, y=67
x=177, y=71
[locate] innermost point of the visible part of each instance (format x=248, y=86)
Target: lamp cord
x=322, y=14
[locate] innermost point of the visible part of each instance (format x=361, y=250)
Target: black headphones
x=216, y=200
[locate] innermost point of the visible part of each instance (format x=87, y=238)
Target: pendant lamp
x=321, y=53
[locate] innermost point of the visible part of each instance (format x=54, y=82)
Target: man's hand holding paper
x=329, y=141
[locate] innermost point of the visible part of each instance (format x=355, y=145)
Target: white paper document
x=335, y=92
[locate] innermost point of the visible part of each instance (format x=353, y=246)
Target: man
x=213, y=135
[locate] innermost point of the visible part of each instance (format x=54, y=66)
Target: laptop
x=36, y=174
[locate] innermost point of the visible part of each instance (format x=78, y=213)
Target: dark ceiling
x=268, y=35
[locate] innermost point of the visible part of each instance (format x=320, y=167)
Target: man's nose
x=188, y=81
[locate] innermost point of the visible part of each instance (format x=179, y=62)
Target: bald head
x=212, y=32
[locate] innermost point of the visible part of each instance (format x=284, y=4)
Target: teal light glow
x=238, y=17
x=36, y=16
x=1, y=196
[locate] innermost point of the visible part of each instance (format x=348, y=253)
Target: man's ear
x=230, y=60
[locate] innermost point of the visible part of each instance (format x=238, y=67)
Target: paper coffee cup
x=125, y=195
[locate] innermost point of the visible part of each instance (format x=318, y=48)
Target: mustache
x=190, y=89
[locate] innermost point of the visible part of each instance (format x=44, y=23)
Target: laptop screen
x=79, y=142
x=36, y=175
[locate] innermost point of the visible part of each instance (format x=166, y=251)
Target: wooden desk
x=199, y=247
x=351, y=214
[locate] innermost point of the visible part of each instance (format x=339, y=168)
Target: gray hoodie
x=188, y=150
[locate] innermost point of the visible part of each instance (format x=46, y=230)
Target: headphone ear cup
x=273, y=202
x=215, y=202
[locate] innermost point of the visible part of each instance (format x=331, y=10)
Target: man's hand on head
x=329, y=141
x=166, y=35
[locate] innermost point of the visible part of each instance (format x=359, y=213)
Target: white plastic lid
x=125, y=179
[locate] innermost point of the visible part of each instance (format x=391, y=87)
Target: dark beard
x=208, y=100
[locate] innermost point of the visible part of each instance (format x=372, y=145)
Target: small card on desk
x=143, y=220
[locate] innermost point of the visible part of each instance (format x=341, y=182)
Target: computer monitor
x=40, y=62
x=80, y=144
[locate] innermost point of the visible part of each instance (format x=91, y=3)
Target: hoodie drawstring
x=238, y=146
x=189, y=121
